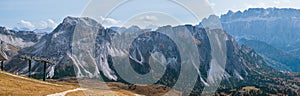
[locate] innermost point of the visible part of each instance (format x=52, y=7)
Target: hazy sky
x=48, y=13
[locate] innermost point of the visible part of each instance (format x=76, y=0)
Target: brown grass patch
x=12, y=85
x=149, y=90
x=100, y=93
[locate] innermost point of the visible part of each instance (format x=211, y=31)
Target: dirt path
x=66, y=92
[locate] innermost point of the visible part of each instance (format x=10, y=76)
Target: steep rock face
x=2, y=54
x=8, y=50
x=234, y=66
x=18, y=38
x=55, y=46
x=27, y=36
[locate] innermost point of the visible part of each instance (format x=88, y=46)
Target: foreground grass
x=13, y=85
x=95, y=92
x=99, y=88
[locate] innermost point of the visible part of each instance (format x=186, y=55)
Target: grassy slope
x=95, y=87
x=16, y=85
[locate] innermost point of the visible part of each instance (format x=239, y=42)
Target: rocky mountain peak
x=76, y=20
x=4, y=30
x=18, y=38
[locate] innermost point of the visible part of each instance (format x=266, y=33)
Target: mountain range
x=276, y=27
x=18, y=38
x=92, y=56
x=243, y=64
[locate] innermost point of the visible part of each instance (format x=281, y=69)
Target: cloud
x=25, y=24
x=145, y=21
x=151, y=20
x=109, y=21
x=47, y=24
x=148, y=18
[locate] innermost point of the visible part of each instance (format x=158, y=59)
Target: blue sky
x=38, y=12
x=48, y=13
